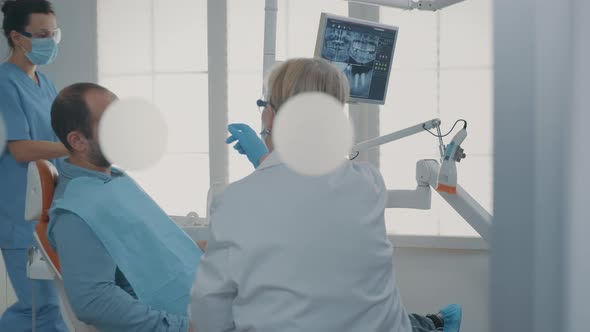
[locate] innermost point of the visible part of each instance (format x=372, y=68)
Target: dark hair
x=70, y=111
x=17, y=14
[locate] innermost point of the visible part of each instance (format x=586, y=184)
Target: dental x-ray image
x=354, y=54
x=337, y=43
x=362, y=50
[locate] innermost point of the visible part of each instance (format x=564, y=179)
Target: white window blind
x=442, y=69
x=157, y=50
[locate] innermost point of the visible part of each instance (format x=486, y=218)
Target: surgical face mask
x=43, y=52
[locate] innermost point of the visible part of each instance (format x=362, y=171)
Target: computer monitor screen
x=363, y=50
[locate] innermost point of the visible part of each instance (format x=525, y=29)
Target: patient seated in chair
x=125, y=265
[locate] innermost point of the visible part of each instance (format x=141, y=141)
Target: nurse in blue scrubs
x=26, y=96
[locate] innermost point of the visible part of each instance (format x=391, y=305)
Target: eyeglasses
x=54, y=34
x=262, y=105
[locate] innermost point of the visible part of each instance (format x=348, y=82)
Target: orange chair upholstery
x=48, y=176
x=41, y=181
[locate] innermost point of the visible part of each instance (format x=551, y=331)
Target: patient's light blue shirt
x=95, y=286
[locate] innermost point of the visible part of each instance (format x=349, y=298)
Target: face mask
x=44, y=51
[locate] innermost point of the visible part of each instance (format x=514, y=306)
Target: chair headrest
x=41, y=181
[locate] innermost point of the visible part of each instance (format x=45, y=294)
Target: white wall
x=77, y=62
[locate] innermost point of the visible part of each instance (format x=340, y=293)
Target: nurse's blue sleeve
x=89, y=274
x=13, y=113
x=213, y=293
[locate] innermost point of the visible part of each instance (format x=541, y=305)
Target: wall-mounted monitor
x=363, y=50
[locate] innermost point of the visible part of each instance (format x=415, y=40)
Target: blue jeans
x=19, y=317
x=422, y=324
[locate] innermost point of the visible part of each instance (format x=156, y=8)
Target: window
x=157, y=50
x=296, y=37
x=442, y=69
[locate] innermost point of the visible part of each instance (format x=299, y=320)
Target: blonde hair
x=306, y=75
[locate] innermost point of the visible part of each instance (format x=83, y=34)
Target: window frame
x=366, y=123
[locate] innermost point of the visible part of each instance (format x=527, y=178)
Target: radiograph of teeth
x=359, y=78
x=337, y=44
x=353, y=53
x=363, y=47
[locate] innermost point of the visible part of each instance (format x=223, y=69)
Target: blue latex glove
x=249, y=143
x=452, y=317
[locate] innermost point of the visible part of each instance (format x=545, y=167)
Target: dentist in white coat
x=289, y=252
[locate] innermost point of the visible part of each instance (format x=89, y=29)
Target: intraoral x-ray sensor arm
x=431, y=5
x=468, y=208
x=427, y=172
x=372, y=143
x=427, y=176
x=419, y=198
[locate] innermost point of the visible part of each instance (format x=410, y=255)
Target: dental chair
x=43, y=261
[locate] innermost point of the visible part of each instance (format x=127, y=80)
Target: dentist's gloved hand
x=249, y=143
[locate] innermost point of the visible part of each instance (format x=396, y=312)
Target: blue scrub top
x=26, y=109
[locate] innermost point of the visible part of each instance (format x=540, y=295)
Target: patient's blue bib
x=158, y=259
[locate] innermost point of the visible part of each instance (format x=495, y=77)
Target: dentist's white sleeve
x=213, y=293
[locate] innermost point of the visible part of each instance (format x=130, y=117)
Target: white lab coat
x=295, y=253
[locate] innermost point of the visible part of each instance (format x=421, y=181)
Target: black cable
x=450, y=131
x=431, y=133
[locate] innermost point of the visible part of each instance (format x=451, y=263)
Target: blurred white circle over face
x=311, y=134
x=133, y=134
x=3, y=135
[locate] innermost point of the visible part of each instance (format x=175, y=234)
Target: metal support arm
x=373, y=143
x=419, y=198
x=462, y=202
x=467, y=207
